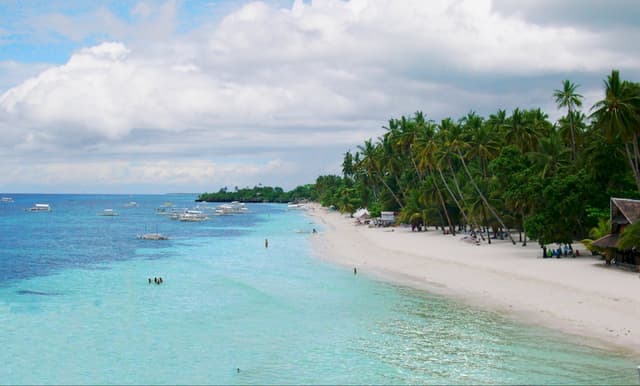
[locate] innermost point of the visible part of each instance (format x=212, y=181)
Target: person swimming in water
x=266, y=243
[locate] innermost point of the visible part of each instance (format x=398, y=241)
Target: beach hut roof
x=630, y=209
x=608, y=241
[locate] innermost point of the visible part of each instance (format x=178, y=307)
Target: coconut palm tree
x=522, y=129
x=427, y=149
x=482, y=141
x=372, y=158
x=618, y=116
x=550, y=157
x=482, y=196
x=572, y=128
x=569, y=98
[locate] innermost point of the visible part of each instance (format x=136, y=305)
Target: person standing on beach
x=355, y=271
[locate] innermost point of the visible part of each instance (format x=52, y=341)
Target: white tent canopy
x=360, y=213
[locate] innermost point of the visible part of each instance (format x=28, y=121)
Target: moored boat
x=234, y=207
x=109, y=212
x=39, y=208
x=153, y=236
x=192, y=216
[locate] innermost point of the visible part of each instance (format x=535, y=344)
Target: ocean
x=76, y=307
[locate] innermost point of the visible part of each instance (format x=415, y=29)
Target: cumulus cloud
x=324, y=73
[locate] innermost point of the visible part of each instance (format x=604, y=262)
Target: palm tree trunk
x=391, y=191
x=484, y=199
x=455, y=182
x=457, y=185
x=573, y=137
x=401, y=191
x=444, y=206
x=524, y=229
x=444, y=181
x=415, y=166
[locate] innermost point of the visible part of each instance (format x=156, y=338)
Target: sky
x=190, y=96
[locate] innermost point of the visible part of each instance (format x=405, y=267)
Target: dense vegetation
x=260, y=194
x=513, y=170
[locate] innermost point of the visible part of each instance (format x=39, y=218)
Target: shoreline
x=595, y=305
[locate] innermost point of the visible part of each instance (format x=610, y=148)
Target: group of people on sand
x=157, y=280
x=561, y=250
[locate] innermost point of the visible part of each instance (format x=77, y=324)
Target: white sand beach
x=598, y=305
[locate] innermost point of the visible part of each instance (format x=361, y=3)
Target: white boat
x=6, y=199
x=153, y=236
x=192, y=216
x=131, y=204
x=39, y=208
x=175, y=213
x=109, y=212
x=292, y=205
x=234, y=207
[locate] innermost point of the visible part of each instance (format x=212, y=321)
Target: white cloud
x=116, y=175
x=318, y=74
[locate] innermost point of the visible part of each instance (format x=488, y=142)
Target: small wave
x=39, y=293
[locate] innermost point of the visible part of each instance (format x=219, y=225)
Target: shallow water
x=76, y=307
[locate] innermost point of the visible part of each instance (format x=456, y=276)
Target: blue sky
x=158, y=96
x=26, y=40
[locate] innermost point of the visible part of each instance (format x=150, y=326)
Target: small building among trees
x=622, y=245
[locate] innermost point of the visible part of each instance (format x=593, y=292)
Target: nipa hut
x=622, y=212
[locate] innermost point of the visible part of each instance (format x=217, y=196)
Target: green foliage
x=630, y=237
x=559, y=219
x=603, y=228
x=261, y=194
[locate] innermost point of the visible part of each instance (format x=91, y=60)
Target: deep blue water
x=76, y=307
x=72, y=235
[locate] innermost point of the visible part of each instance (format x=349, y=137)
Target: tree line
x=512, y=170
x=260, y=194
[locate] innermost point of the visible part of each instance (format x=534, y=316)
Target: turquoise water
x=76, y=308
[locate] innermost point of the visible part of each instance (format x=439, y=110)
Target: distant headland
x=260, y=194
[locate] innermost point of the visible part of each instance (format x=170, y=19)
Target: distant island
x=261, y=194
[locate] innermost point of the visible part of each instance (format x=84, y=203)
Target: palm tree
x=617, y=115
x=482, y=142
x=372, y=163
x=572, y=128
x=427, y=149
x=567, y=97
x=347, y=165
x=496, y=121
x=523, y=129
x=551, y=156
x=482, y=197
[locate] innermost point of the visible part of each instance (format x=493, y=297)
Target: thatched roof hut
x=622, y=212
